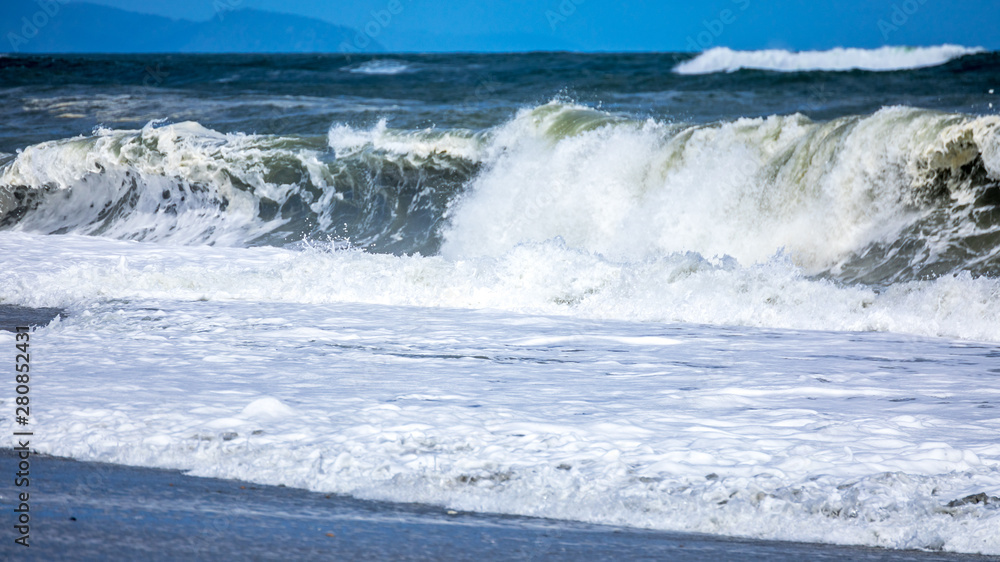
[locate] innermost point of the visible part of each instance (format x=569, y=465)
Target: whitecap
x=723, y=59
x=380, y=67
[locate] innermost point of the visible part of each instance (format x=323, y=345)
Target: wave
x=185, y=184
x=889, y=221
x=899, y=195
x=723, y=59
x=381, y=67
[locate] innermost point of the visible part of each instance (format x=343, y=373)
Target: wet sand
x=13, y=316
x=98, y=511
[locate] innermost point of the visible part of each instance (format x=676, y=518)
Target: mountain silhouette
x=51, y=26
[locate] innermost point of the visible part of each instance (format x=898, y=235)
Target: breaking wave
x=902, y=194
x=723, y=59
x=185, y=184
x=381, y=67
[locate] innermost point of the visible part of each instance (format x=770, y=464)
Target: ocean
x=752, y=294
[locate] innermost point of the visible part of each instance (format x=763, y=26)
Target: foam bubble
x=267, y=408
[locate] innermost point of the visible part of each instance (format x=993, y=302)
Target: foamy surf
x=545, y=278
x=724, y=59
x=874, y=439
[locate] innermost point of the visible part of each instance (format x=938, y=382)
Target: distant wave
x=380, y=66
x=722, y=59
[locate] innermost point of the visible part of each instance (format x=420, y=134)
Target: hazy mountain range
x=53, y=26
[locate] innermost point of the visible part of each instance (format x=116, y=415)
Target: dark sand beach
x=99, y=511
x=13, y=316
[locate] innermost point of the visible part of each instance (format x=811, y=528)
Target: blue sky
x=627, y=25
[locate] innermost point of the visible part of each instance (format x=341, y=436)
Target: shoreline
x=92, y=510
x=12, y=316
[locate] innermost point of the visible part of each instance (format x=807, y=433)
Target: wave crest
x=346, y=141
x=897, y=195
x=723, y=59
x=383, y=67
x=186, y=184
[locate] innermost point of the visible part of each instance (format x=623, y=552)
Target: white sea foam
x=811, y=436
x=575, y=212
x=723, y=59
x=544, y=278
x=386, y=67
